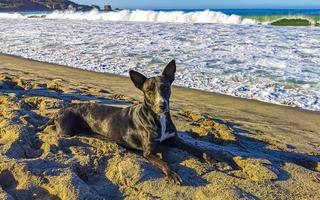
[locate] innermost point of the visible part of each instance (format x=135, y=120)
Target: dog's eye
x=151, y=87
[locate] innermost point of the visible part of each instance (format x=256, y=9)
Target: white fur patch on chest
x=164, y=135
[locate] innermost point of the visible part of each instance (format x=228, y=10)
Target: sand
x=262, y=151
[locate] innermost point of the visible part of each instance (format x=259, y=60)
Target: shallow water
x=274, y=64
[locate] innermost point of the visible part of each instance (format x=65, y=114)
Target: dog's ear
x=170, y=70
x=137, y=78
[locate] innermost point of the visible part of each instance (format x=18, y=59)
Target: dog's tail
x=51, y=121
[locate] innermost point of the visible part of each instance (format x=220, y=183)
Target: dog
x=146, y=127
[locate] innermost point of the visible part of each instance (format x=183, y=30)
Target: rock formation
x=40, y=5
x=107, y=7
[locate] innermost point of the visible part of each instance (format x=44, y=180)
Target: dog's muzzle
x=163, y=107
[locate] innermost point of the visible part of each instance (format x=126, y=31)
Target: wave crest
x=11, y=16
x=205, y=16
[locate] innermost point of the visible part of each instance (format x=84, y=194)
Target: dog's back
x=125, y=126
x=85, y=118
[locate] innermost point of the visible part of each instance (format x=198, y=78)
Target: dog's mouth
x=160, y=110
x=163, y=112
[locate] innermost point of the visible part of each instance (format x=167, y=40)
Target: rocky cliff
x=40, y=5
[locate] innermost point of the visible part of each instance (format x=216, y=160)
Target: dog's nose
x=163, y=106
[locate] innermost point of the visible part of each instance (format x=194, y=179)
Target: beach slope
x=261, y=151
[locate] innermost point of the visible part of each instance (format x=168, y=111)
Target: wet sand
x=275, y=148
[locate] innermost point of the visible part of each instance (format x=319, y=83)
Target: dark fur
x=135, y=127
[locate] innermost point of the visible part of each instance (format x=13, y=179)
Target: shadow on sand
x=246, y=148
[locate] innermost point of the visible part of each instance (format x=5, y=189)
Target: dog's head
x=157, y=90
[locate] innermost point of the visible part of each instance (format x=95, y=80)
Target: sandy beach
x=275, y=150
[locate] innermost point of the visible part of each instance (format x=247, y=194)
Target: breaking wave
x=205, y=16
x=11, y=16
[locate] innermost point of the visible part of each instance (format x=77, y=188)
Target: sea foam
x=279, y=65
x=205, y=16
x=11, y=16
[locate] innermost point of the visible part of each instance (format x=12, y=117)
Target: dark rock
x=40, y=5
x=93, y=6
x=107, y=8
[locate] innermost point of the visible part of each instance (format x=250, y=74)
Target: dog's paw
x=174, y=178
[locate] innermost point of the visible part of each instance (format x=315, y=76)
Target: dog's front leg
x=206, y=156
x=173, y=176
x=177, y=143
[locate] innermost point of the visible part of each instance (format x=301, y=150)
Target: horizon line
x=208, y=8
x=218, y=7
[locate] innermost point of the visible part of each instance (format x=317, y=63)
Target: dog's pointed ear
x=137, y=78
x=170, y=70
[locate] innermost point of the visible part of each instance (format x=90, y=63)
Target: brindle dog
x=146, y=127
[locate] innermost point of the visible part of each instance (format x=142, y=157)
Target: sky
x=204, y=4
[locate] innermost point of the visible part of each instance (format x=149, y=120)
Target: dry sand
x=263, y=151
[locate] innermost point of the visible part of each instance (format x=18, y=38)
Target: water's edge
x=232, y=98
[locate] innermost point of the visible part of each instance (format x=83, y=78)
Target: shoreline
x=2, y=55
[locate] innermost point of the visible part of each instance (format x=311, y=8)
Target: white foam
x=11, y=16
x=206, y=16
x=274, y=64
x=153, y=16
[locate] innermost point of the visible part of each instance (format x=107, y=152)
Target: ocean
x=235, y=52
